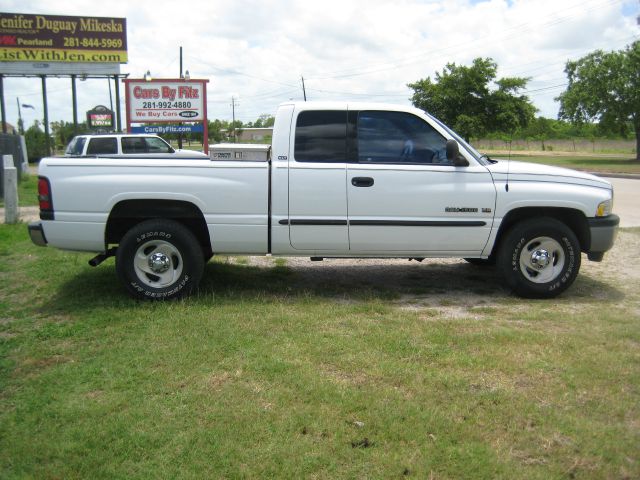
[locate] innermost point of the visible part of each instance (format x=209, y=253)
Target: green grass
x=27, y=191
x=599, y=164
x=272, y=372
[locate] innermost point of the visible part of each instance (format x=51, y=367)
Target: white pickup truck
x=340, y=180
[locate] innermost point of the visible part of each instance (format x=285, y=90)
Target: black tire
x=482, y=262
x=173, y=272
x=539, y=258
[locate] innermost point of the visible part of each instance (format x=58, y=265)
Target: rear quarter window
x=321, y=136
x=102, y=146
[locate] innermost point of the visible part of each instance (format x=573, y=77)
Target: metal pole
x=74, y=100
x=110, y=96
x=233, y=115
x=4, y=112
x=304, y=92
x=20, y=124
x=181, y=76
x=205, y=134
x=118, y=124
x=46, y=115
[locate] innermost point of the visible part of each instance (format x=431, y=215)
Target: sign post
x=167, y=101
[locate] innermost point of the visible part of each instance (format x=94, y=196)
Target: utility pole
x=233, y=116
x=304, y=92
x=20, y=122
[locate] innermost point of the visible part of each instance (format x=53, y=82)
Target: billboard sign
x=160, y=101
x=54, y=38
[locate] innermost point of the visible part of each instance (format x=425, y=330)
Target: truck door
x=317, y=181
x=404, y=196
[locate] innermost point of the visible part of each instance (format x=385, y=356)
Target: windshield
x=476, y=154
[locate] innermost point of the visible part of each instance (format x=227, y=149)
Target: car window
x=398, y=137
x=321, y=136
x=157, y=145
x=102, y=146
x=75, y=146
x=132, y=145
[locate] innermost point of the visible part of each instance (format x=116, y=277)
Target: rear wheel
x=539, y=258
x=159, y=259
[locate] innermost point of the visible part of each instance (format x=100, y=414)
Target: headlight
x=604, y=208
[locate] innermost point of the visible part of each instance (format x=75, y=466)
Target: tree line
x=602, y=99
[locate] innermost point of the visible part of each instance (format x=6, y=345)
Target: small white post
x=10, y=190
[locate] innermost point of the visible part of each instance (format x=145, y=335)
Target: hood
x=537, y=172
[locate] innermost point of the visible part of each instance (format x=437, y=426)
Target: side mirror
x=453, y=154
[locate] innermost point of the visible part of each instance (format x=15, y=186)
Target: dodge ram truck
x=339, y=180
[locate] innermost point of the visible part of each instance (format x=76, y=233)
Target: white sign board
x=160, y=101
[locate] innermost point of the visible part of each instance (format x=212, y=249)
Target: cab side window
x=102, y=146
x=155, y=145
x=321, y=136
x=132, y=145
x=398, y=137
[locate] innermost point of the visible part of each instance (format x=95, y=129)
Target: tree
x=264, y=121
x=36, y=141
x=605, y=87
x=63, y=132
x=461, y=97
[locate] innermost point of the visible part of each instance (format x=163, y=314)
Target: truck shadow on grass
x=459, y=282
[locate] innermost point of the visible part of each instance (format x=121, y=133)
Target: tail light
x=44, y=199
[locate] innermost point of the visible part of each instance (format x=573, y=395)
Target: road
x=626, y=200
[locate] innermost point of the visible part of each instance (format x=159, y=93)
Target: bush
x=36, y=141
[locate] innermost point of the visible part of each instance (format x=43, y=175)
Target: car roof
x=144, y=135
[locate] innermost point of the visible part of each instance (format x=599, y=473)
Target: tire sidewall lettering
x=149, y=235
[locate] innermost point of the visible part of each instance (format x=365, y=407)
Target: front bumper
x=603, y=233
x=37, y=234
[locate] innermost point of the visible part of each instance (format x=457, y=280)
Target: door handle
x=362, y=181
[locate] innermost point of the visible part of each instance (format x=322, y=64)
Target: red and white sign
x=158, y=101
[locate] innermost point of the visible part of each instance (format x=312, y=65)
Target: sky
x=364, y=50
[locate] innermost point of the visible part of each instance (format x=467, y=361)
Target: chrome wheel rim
x=542, y=260
x=158, y=264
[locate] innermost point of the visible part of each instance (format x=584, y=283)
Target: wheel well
x=574, y=219
x=129, y=213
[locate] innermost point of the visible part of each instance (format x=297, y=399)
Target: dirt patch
x=452, y=288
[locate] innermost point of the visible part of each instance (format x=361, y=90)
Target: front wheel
x=539, y=258
x=159, y=260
